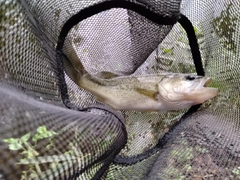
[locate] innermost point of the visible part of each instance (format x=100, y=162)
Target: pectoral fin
x=146, y=92
x=106, y=75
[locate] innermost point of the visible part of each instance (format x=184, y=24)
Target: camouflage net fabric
x=52, y=129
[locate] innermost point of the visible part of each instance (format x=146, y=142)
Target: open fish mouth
x=207, y=82
x=205, y=89
x=203, y=92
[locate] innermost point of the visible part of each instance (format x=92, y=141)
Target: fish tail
x=74, y=58
x=72, y=64
x=71, y=71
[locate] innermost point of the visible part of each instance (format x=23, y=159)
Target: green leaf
x=32, y=153
x=168, y=51
x=24, y=153
x=11, y=140
x=36, y=137
x=51, y=133
x=47, y=159
x=25, y=137
x=236, y=171
x=53, y=165
x=196, y=30
x=15, y=146
x=43, y=135
x=49, y=146
x=33, y=175
x=41, y=129
x=70, y=152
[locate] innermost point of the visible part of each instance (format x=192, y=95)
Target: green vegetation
x=225, y=27
x=41, y=158
x=182, y=157
x=174, y=174
x=54, y=165
x=198, y=32
x=201, y=150
x=167, y=51
x=180, y=39
x=191, y=159
x=236, y=171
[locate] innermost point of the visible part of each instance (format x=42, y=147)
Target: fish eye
x=190, y=78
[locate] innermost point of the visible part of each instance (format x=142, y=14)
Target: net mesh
x=41, y=138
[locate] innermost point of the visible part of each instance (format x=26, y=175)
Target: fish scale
x=152, y=92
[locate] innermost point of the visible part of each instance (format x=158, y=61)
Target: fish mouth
x=204, y=89
x=203, y=92
x=207, y=82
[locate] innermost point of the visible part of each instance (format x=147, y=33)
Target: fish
x=145, y=93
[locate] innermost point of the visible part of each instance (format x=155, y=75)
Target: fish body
x=153, y=92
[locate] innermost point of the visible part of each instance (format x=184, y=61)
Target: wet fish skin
x=153, y=92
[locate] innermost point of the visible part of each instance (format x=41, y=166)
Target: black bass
x=153, y=92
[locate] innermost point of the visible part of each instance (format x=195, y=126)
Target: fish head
x=180, y=91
